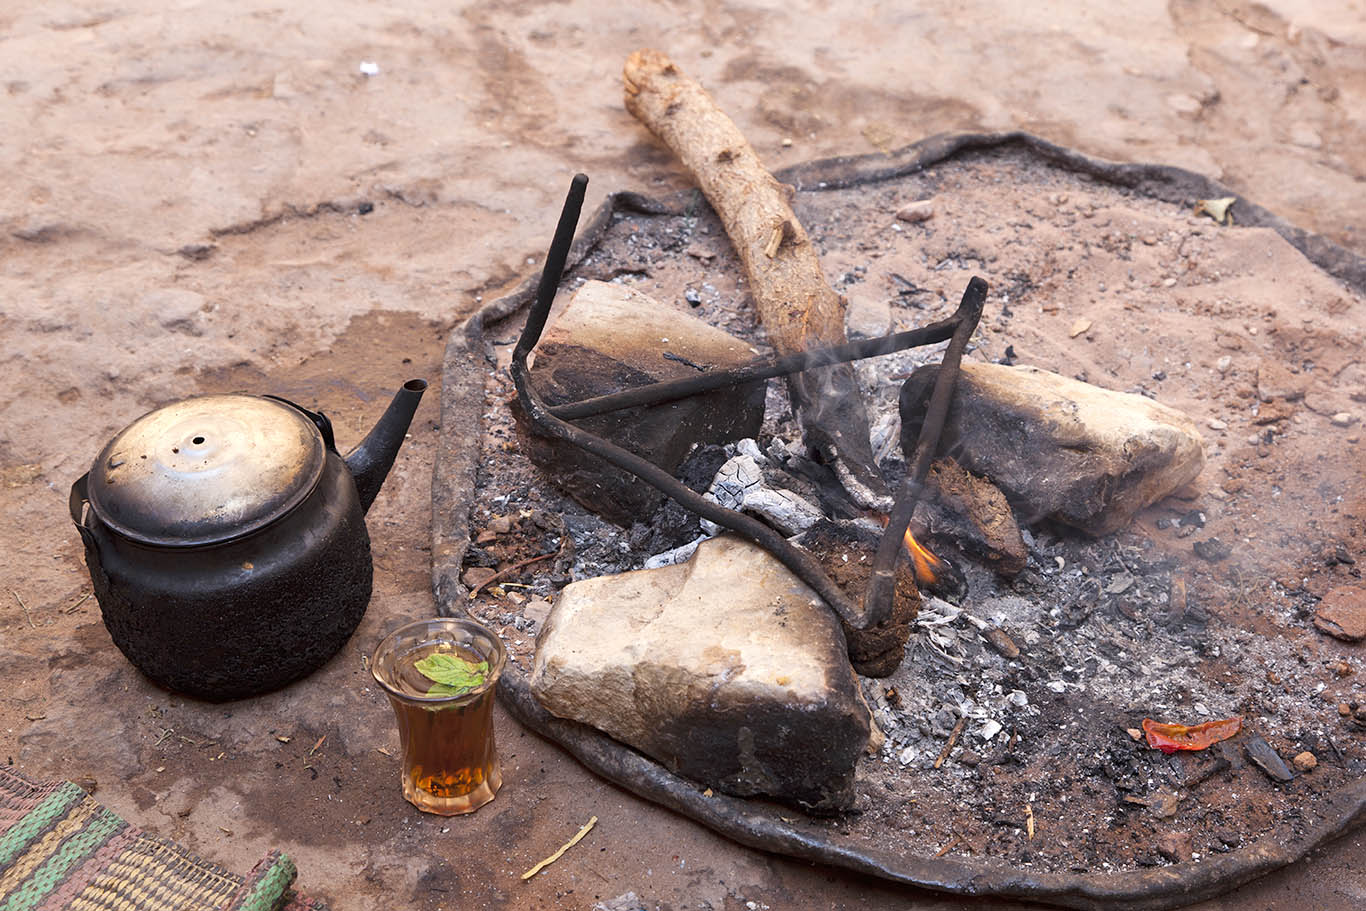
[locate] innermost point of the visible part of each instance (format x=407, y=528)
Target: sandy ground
x=182, y=214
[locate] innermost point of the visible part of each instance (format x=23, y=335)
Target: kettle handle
x=80, y=495
x=323, y=422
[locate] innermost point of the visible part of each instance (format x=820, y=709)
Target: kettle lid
x=206, y=470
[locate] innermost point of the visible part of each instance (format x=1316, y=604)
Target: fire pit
x=1008, y=764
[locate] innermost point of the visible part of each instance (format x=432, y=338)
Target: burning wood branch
x=795, y=303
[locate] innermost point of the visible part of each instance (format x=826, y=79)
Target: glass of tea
x=439, y=675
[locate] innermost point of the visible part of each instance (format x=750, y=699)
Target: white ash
x=680, y=554
x=740, y=486
x=885, y=435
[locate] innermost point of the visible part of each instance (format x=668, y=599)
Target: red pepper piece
x=1172, y=737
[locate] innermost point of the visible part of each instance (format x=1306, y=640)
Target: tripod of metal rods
x=554, y=422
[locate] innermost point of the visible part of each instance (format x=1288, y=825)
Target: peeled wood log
x=796, y=304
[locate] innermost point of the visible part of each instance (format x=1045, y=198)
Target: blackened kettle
x=226, y=541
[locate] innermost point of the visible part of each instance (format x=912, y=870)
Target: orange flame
x=925, y=562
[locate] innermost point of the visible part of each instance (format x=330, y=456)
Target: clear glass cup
x=450, y=762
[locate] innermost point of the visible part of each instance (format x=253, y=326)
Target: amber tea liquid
x=450, y=762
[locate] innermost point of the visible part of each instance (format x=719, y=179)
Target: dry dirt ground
x=205, y=197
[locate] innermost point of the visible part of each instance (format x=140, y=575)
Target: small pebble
x=1305, y=761
x=921, y=210
x=1344, y=710
x=537, y=610
x=1216, y=424
x=1169, y=283
x=1224, y=363
x=1343, y=419
x=1001, y=642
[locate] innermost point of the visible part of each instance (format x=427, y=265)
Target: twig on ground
x=948, y=846
x=474, y=592
x=564, y=847
x=953, y=739
x=72, y=608
x=25, y=607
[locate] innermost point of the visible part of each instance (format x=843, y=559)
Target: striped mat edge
x=61, y=850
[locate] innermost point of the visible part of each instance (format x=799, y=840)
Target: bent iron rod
x=760, y=368
x=877, y=597
x=799, y=561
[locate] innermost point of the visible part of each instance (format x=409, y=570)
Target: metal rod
x=877, y=600
x=555, y=259
x=758, y=369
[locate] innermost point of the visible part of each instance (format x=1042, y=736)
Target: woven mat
x=60, y=849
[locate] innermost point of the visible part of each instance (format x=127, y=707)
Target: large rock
x=608, y=338
x=727, y=669
x=1059, y=448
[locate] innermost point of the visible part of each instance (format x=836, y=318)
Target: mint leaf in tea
x=450, y=674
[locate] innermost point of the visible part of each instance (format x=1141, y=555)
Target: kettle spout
x=370, y=461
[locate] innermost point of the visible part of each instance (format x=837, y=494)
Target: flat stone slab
x=727, y=669
x=1060, y=448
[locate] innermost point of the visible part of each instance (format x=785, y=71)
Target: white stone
x=727, y=669
x=1064, y=449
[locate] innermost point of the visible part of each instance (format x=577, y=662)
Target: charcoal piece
x=974, y=514
x=672, y=525
x=1267, y=759
x=1212, y=549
